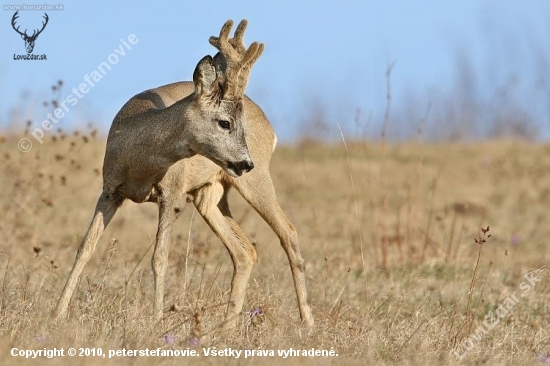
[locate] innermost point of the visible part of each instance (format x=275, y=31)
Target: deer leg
x=159, y=261
x=104, y=212
x=257, y=189
x=211, y=202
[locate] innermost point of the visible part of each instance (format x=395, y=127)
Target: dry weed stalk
x=360, y=226
x=480, y=240
x=383, y=172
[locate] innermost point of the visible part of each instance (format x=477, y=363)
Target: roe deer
x=172, y=141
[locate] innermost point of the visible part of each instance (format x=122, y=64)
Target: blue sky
x=329, y=54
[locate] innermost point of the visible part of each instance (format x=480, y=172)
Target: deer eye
x=224, y=124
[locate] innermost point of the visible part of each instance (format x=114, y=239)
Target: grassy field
x=395, y=275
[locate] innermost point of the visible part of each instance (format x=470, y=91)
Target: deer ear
x=23, y=36
x=205, y=78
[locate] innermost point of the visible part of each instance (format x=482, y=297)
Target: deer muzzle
x=240, y=167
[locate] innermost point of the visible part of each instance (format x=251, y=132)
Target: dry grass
x=416, y=209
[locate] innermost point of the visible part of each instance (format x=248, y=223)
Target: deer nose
x=247, y=165
x=242, y=166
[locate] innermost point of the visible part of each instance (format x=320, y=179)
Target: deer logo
x=29, y=40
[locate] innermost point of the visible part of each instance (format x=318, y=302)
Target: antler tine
x=237, y=41
x=221, y=42
x=252, y=55
x=13, y=19
x=43, y=24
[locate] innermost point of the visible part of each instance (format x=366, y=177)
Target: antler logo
x=29, y=40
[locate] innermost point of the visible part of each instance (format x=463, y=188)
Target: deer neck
x=174, y=141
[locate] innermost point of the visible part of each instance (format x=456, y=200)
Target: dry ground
x=390, y=258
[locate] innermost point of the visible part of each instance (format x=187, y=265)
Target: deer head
x=29, y=40
x=218, y=101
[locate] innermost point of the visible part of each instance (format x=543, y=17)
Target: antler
x=43, y=26
x=238, y=59
x=34, y=34
x=13, y=19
